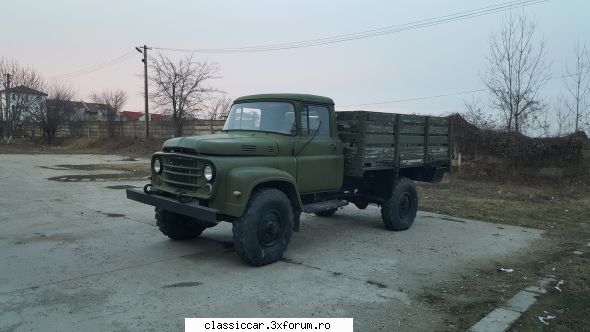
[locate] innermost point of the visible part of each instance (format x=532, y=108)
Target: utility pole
x=143, y=50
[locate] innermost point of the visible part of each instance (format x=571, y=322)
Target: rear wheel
x=399, y=211
x=179, y=227
x=262, y=234
x=326, y=213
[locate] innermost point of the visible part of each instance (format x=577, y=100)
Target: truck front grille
x=183, y=172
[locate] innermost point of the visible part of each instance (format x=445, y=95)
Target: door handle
x=332, y=146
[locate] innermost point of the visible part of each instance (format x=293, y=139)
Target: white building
x=23, y=101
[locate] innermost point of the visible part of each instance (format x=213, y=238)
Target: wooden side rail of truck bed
x=374, y=140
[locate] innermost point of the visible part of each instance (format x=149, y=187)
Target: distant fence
x=98, y=129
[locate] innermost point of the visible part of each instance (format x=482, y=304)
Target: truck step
x=323, y=206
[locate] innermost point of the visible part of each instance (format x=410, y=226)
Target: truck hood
x=225, y=144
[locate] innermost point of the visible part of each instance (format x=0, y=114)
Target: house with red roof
x=139, y=116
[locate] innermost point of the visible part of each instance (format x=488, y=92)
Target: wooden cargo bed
x=374, y=140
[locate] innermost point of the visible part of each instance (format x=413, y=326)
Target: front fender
x=246, y=179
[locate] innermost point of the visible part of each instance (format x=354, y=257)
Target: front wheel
x=177, y=226
x=262, y=234
x=399, y=211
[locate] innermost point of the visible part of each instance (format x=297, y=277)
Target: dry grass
x=543, y=207
x=129, y=168
x=122, y=146
x=564, y=211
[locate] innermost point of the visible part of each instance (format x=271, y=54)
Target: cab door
x=320, y=163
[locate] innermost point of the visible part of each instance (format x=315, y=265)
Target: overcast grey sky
x=59, y=37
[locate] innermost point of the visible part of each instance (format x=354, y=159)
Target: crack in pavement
x=122, y=216
x=400, y=296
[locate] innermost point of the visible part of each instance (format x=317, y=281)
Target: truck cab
x=277, y=156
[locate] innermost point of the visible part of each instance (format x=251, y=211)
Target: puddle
x=85, y=167
x=112, y=215
x=183, y=284
x=128, y=172
x=376, y=283
x=95, y=177
x=136, y=167
x=54, y=168
x=121, y=186
x=64, y=237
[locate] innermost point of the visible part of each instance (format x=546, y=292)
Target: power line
x=323, y=41
x=368, y=33
x=415, y=99
x=92, y=69
x=437, y=96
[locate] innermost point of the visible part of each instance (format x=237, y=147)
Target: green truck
x=279, y=155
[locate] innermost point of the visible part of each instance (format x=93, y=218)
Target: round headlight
x=157, y=165
x=208, y=172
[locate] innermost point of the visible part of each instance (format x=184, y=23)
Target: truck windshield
x=277, y=117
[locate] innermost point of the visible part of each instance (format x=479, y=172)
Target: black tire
x=262, y=234
x=326, y=213
x=179, y=227
x=399, y=211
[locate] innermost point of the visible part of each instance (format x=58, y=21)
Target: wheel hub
x=270, y=229
x=405, y=202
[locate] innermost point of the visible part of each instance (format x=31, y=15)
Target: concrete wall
x=97, y=129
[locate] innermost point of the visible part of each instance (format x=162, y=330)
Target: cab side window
x=315, y=118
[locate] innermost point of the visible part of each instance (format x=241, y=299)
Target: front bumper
x=192, y=209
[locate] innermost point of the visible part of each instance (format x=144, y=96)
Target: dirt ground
x=562, y=210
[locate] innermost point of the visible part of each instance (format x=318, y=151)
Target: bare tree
x=516, y=71
x=76, y=122
x=577, y=84
x=475, y=115
x=563, y=118
x=17, y=104
x=181, y=86
x=55, y=111
x=218, y=109
x=543, y=123
x=114, y=100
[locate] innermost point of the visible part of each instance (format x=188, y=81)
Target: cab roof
x=288, y=96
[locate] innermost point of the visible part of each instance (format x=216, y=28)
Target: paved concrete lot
x=79, y=256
